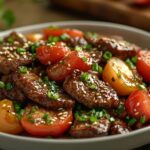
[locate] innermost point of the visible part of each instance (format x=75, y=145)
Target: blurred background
x=16, y=13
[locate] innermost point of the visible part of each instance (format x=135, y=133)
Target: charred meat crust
x=34, y=88
x=87, y=130
x=10, y=58
x=104, y=96
x=14, y=94
x=119, y=127
x=118, y=48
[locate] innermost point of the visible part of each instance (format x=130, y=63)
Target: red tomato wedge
x=138, y=104
x=51, y=54
x=142, y=2
x=58, y=32
x=74, y=60
x=46, y=122
x=143, y=65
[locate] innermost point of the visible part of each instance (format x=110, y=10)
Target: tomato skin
x=72, y=61
x=142, y=2
x=138, y=104
x=59, y=32
x=51, y=54
x=40, y=130
x=143, y=65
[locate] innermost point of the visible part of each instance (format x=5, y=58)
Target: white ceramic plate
x=128, y=141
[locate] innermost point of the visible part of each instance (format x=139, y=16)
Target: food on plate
x=67, y=83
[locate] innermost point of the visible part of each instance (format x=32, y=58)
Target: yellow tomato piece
x=120, y=77
x=9, y=122
x=34, y=37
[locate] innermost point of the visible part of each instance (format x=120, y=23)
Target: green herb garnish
x=8, y=86
x=2, y=84
x=54, y=39
x=46, y=118
x=23, y=69
x=142, y=119
x=52, y=95
x=107, y=55
x=78, y=48
x=20, y=50
x=85, y=76
x=64, y=36
x=97, y=68
x=132, y=121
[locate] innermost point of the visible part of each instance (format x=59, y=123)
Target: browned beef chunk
x=12, y=92
x=34, y=88
x=96, y=56
x=118, y=48
x=87, y=130
x=18, y=38
x=75, y=41
x=10, y=57
x=119, y=127
x=93, y=93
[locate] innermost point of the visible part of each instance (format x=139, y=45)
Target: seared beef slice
x=95, y=93
x=10, y=56
x=35, y=89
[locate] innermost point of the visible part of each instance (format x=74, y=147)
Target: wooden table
x=28, y=12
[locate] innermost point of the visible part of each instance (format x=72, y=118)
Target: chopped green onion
x=82, y=117
x=142, y=120
x=2, y=84
x=129, y=63
x=141, y=87
x=111, y=119
x=34, y=47
x=88, y=46
x=64, y=36
x=46, y=118
x=97, y=68
x=30, y=118
x=20, y=50
x=17, y=106
x=1, y=40
x=52, y=95
x=78, y=48
x=120, y=109
x=134, y=60
x=8, y=86
x=93, y=119
x=93, y=86
x=132, y=121
x=84, y=59
x=34, y=108
x=23, y=69
x=10, y=40
x=54, y=39
x=85, y=76
x=107, y=55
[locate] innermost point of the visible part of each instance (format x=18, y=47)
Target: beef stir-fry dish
x=66, y=83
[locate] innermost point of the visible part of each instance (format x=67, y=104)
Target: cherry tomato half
x=41, y=122
x=51, y=54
